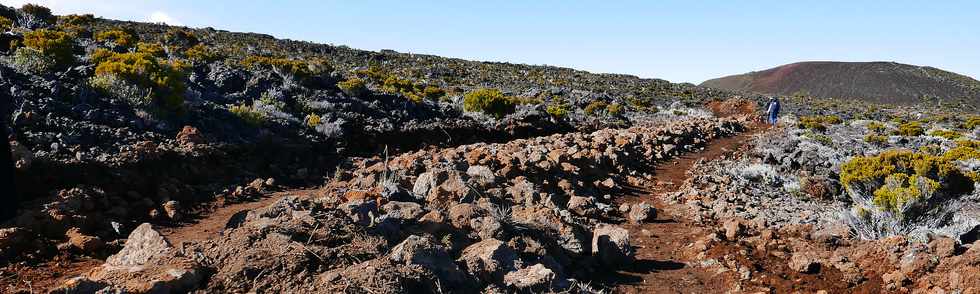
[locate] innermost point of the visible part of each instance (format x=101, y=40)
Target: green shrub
x=557, y=109
x=489, y=101
x=679, y=112
x=614, y=109
x=910, y=129
x=30, y=60
x=180, y=38
x=641, y=104
x=947, y=134
x=298, y=69
x=118, y=37
x=76, y=24
x=312, y=120
x=876, y=139
x=433, y=92
x=876, y=127
x=595, y=106
x=972, y=123
x=902, y=182
x=5, y=24
x=33, y=15
x=164, y=79
x=56, y=45
x=113, y=86
x=818, y=122
x=153, y=49
x=353, y=87
x=248, y=114
x=820, y=138
x=201, y=53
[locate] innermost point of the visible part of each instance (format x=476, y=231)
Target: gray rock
x=642, y=212
x=489, y=260
x=482, y=175
x=403, y=210
x=535, y=276
x=424, y=251
x=143, y=244
x=611, y=244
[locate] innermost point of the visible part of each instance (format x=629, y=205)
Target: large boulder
x=642, y=212
x=611, y=244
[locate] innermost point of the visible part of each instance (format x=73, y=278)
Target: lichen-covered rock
x=489, y=260
x=535, y=276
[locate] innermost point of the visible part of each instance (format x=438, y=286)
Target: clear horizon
x=673, y=40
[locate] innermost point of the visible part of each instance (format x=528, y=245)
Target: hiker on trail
x=772, y=110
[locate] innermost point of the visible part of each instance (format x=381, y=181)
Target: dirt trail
x=662, y=265
x=214, y=221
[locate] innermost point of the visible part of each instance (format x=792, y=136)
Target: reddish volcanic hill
x=887, y=82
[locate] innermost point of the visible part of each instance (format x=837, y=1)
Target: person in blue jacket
x=773, y=110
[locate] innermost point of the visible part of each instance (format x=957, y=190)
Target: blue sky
x=681, y=41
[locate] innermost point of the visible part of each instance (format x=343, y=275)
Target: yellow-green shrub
x=818, y=122
x=201, y=53
x=312, y=120
x=300, y=69
x=76, y=24
x=353, y=87
x=153, y=49
x=641, y=104
x=595, y=106
x=165, y=79
x=947, y=134
x=972, y=123
x=5, y=24
x=117, y=36
x=433, y=92
x=557, y=109
x=45, y=50
x=614, y=109
x=876, y=127
x=489, y=101
x=876, y=139
x=248, y=114
x=910, y=129
x=900, y=190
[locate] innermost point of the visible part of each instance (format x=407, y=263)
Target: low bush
x=819, y=138
x=876, y=127
x=947, y=134
x=489, y=101
x=641, y=104
x=595, y=106
x=679, y=112
x=33, y=16
x=117, y=37
x=312, y=120
x=910, y=129
x=353, y=87
x=248, y=114
x=180, y=38
x=614, y=109
x=818, y=122
x=153, y=49
x=892, y=190
x=164, y=79
x=5, y=24
x=972, y=123
x=200, y=53
x=288, y=68
x=55, y=45
x=876, y=139
x=557, y=109
x=433, y=93
x=76, y=24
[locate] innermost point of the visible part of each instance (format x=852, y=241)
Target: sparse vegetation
x=558, y=108
x=201, y=53
x=947, y=134
x=818, y=123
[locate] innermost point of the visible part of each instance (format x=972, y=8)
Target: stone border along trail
x=662, y=265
